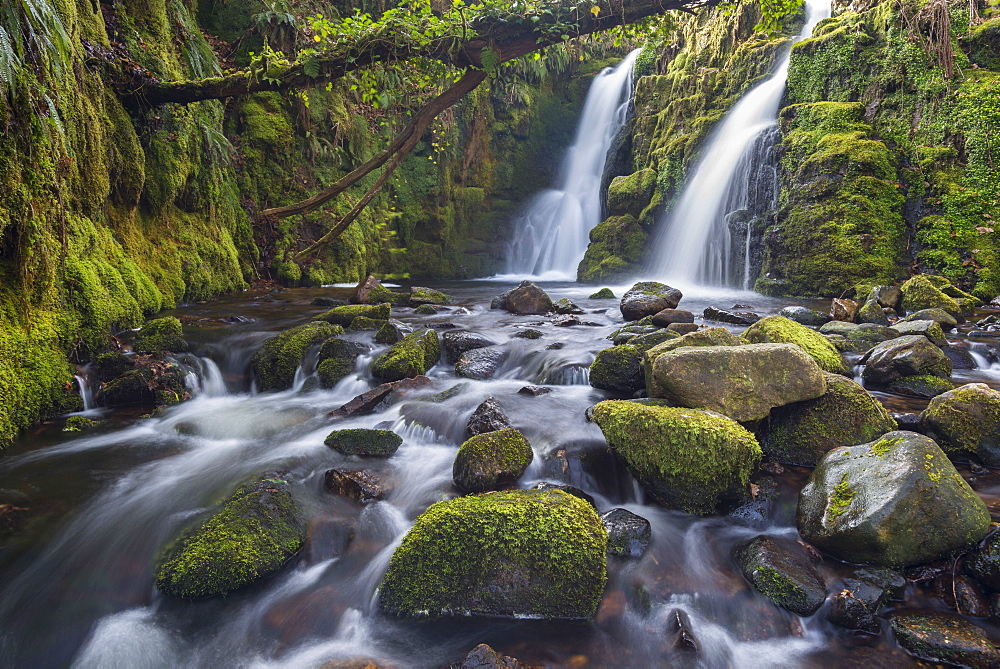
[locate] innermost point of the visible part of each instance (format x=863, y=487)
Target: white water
x=693, y=246
x=86, y=392
x=551, y=235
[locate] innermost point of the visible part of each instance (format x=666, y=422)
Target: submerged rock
x=782, y=571
x=780, y=330
x=363, y=441
x=520, y=553
x=628, y=534
x=618, y=369
x=481, y=363
x=377, y=397
x=491, y=460
x=256, y=531
x=897, y=501
x=275, y=362
x=411, y=356
x=488, y=417
x=805, y=316
x=686, y=458
x=912, y=355
x=647, y=298
x=457, y=342
x=983, y=562
x=526, y=299
x=357, y=484
x=966, y=421
x=161, y=334
x=944, y=638
x=344, y=315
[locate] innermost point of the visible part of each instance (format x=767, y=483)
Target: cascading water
x=551, y=235
x=735, y=173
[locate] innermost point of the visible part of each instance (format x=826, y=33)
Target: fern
x=9, y=62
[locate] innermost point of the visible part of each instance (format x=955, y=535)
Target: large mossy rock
x=618, y=369
x=364, y=441
x=709, y=337
x=422, y=295
x=617, y=244
x=336, y=360
x=896, y=501
x=781, y=570
x=966, y=421
x=491, y=460
x=411, y=356
x=257, y=530
x=920, y=292
x=344, y=315
x=647, y=298
x=944, y=638
x=781, y=330
x=161, y=334
x=275, y=362
x=687, y=459
x=521, y=553
x=151, y=383
x=912, y=355
x=526, y=299
x=802, y=433
x=742, y=382
x=631, y=194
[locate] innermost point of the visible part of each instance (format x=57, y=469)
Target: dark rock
x=983, y=562
x=411, y=356
x=682, y=328
x=528, y=334
x=327, y=302
x=628, y=534
x=488, y=417
x=647, y=298
x=566, y=306
x=526, y=299
x=161, y=335
x=457, y=342
x=365, y=324
x=944, y=638
x=364, y=291
x=484, y=657
x=363, y=441
x=924, y=385
x=274, y=363
x=566, y=488
x=152, y=382
x=566, y=321
x=805, y=316
x=912, y=355
x=679, y=631
x=872, y=312
x=555, y=346
x=357, y=484
x=782, y=571
x=962, y=594
x=107, y=366
x=842, y=309
x=735, y=317
x=481, y=363
x=336, y=360
x=491, y=460
x=665, y=317
x=966, y=421
x=534, y=390
x=960, y=357
x=848, y=610
x=907, y=421
x=618, y=369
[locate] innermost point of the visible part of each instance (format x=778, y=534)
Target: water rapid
x=551, y=234
x=735, y=178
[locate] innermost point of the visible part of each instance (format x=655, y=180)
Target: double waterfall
x=552, y=233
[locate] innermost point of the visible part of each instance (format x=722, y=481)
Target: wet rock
x=647, y=298
x=966, y=421
x=392, y=331
x=566, y=321
x=459, y=559
x=528, y=333
x=365, y=324
x=742, y=382
x=924, y=385
x=780, y=330
x=327, y=538
x=626, y=334
x=357, y=484
x=555, y=346
x=457, y=342
x=491, y=460
x=526, y=299
x=364, y=441
x=930, y=329
x=962, y=594
x=420, y=295
x=206, y=561
x=765, y=492
x=566, y=488
x=628, y=534
x=566, y=306
x=484, y=657
x=886, y=296
x=803, y=432
x=842, y=309
x=939, y=316
x=872, y=312
x=336, y=360
x=411, y=356
x=805, y=316
x=425, y=310
x=644, y=342
x=364, y=291
x=534, y=390
x=152, y=382
x=488, y=417
x=327, y=302
x=481, y=363
x=665, y=317
x=983, y=562
x=848, y=610
x=107, y=366
x=944, y=638
x=913, y=355
x=685, y=458
x=782, y=571
x=679, y=632
x=602, y=294
x=275, y=362
x=862, y=503
x=682, y=328
x=161, y=335
x=919, y=292
x=734, y=317
x=344, y=315
x=709, y=337
x=378, y=396
x=858, y=603
x=618, y=369
x=868, y=332
x=79, y=424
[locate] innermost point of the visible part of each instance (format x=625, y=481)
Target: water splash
x=551, y=235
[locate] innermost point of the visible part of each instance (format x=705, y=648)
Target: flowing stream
x=552, y=233
x=99, y=506
x=735, y=178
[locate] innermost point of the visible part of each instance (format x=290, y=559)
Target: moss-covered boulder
x=805, y=316
x=647, y=298
x=872, y=312
x=939, y=316
x=617, y=244
x=742, y=382
x=781, y=330
x=491, y=460
x=866, y=332
x=366, y=324
x=896, y=501
x=161, y=334
x=150, y=383
x=966, y=421
x=337, y=359
x=644, y=342
x=802, y=433
x=363, y=441
x=421, y=295
x=920, y=292
x=944, y=638
x=344, y=315
x=686, y=459
x=520, y=553
x=631, y=194
x=107, y=366
x=391, y=332
x=411, y=356
x=912, y=355
x=707, y=337
x=526, y=299
x=256, y=531
x=782, y=571
x=930, y=329
x=275, y=362
x=618, y=369
x=567, y=306
x=922, y=385
x=602, y=294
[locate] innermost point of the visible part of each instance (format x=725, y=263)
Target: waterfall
x=735, y=174
x=86, y=392
x=552, y=233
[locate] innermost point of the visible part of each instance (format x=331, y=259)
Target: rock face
x=647, y=298
x=161, y=334
x=896, y=501
x=781, y=571
x=344, y=315
x=802, y=433
x=457, y=342
x=686, y=458
x=275, y=362
x=618, y=369
x=780, y=330
x=628, y=534
x=742, y=382
x=805, y=316
x=491, y=460
x=919, y=292
x=411, y=356
x=488, y=417
x=526, y=299
x=966, y=421
x=538, y=553
x=481, y=363
x=206, y=561
x=362, y=441
x=944, y=638
x=913, y=355
x=356, y=484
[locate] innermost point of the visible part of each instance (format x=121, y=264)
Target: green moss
x=708, y=337
x=333, y=370
x=921, y=385
x=631, y=194
x=883, y=446
x=425, y=310
x=491, y=460
x=603, y=294
x=420, y=295
x=616, y=244
x=411, y=356
x=537, y=553
x=381, y=294
x=79, y=424
x=363, y=441
x=618, y=369
x=275, y=362
x=255, y=532
x=919, y=292
x=161, y=334
x=346, y=314
x=781, y=330
x=364, y=323
x=842, y=497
